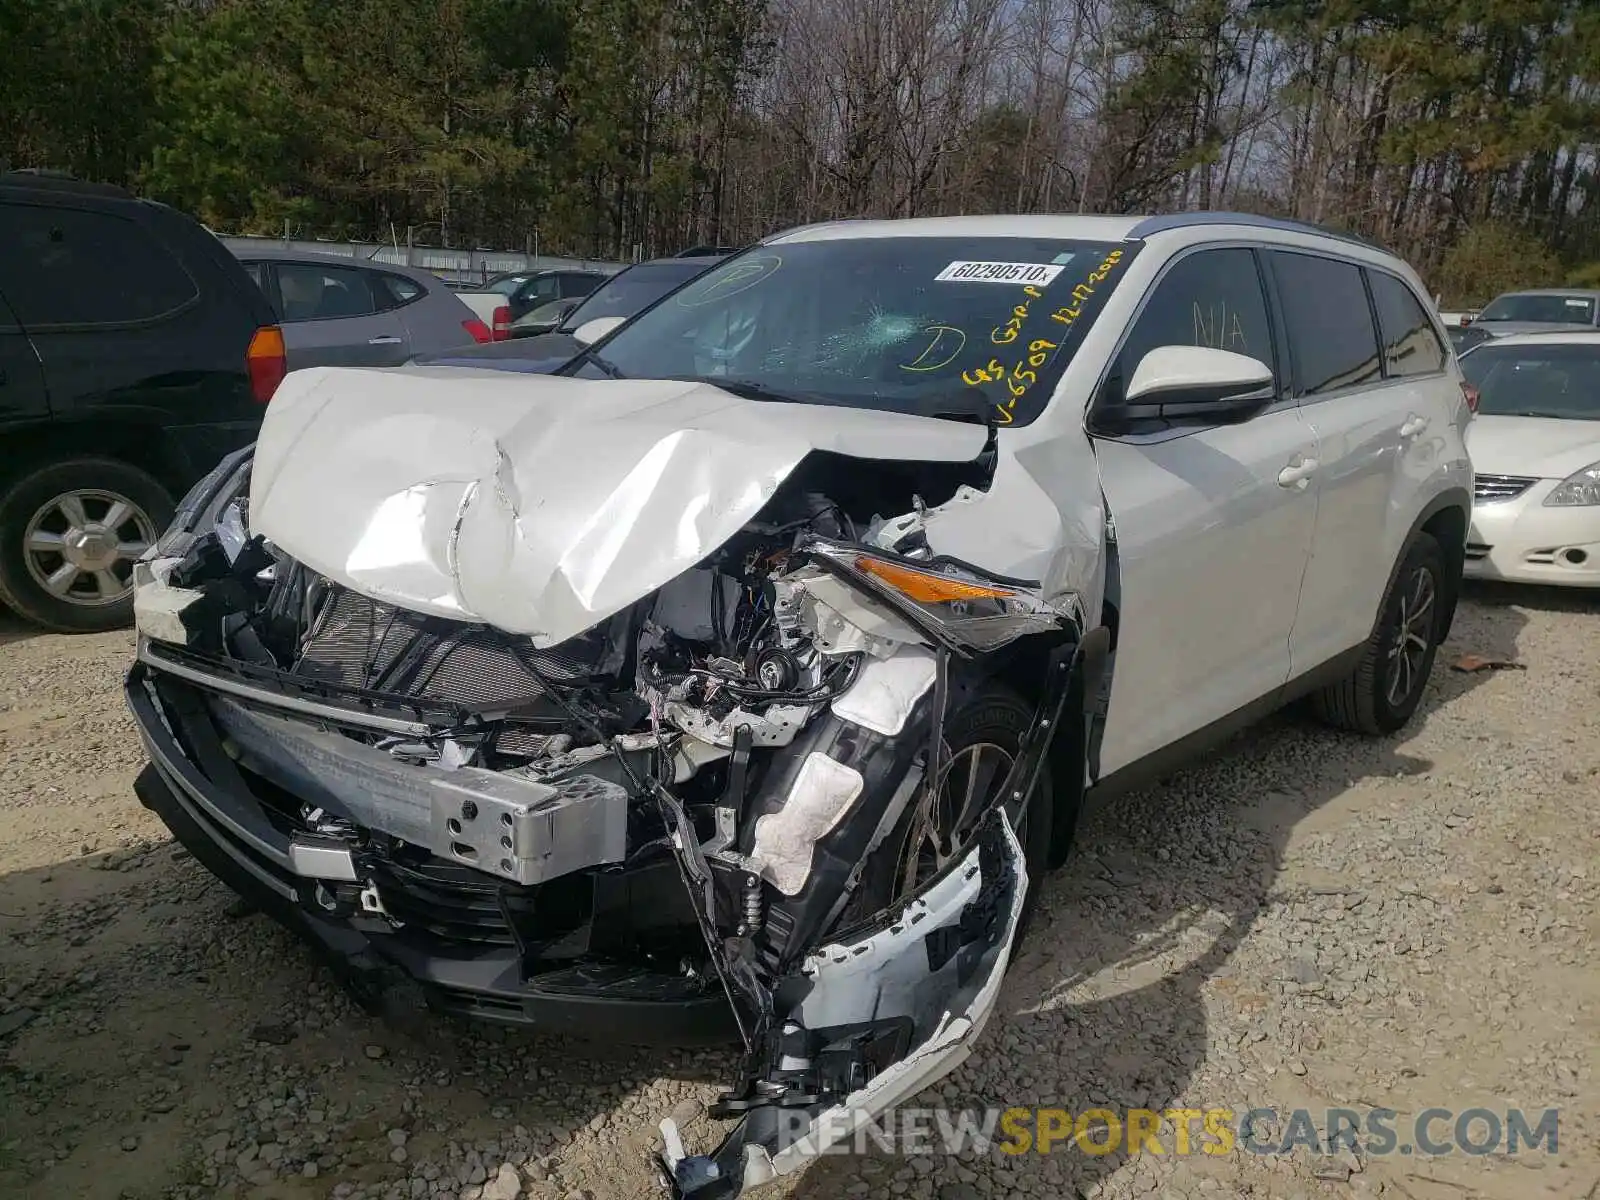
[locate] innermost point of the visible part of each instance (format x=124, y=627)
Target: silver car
x=340, y=312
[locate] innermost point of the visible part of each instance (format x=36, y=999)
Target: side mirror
x=591, y=332
x=1177, y=382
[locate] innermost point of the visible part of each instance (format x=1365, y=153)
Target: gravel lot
x=1305, y=919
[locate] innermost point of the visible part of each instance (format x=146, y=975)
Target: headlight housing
x=953, y=603
x=1579, y=488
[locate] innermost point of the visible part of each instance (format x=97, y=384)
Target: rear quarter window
x=73, y=267
x=1410, y=345
x=394, y=291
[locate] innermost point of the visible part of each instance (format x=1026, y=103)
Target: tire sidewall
x=24, y=496
x=1423, y=553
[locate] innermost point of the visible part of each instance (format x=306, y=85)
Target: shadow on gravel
x=142, y=1006
x=1089, y=1018
x=1522, y=595
x=14, y=629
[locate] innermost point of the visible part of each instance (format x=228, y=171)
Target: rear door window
x=81, y=267
x=1328, y=321
x=311, y=292
x=1410, y=345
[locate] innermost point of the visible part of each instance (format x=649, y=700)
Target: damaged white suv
x=742, y=680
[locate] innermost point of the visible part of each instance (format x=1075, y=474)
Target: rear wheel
x=70, y=533
x=1383, y=692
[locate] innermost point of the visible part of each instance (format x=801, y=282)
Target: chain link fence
x=460, y=266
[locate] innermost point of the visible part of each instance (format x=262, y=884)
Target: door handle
x=386, y=339
x=1297, y=473
x=1413, y=426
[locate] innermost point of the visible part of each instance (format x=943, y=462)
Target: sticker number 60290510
x=999, y=272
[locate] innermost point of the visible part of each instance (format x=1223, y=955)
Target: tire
x=991, y=715
x=1372, y=700
x=47, y=503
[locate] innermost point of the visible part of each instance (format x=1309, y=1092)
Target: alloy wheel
x=1408, y=650
x=80, y=546
x=947, y=816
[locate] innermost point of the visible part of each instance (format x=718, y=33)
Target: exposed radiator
x=364, y=643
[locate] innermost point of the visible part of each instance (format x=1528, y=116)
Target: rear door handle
x=1297, y=473
x=1413, y=426
x=386, y=339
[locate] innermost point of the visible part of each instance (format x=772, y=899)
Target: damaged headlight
x=951, y=602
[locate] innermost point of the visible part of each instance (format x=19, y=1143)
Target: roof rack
x=1160, y=224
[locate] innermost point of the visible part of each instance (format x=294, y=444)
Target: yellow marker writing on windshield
x=947, y=335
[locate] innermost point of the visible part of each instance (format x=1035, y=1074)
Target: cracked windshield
x=931, y=326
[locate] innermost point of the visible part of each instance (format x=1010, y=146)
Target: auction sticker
x=999, y=272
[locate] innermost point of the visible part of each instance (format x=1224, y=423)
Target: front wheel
x=983, y=735
x=1383, y=692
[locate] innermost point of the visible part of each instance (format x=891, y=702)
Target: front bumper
x=211, y=809
x=1522, y=541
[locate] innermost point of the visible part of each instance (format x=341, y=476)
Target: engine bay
x=701, y=685
x=702, y=803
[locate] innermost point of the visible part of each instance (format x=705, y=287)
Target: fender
x=1068, y=749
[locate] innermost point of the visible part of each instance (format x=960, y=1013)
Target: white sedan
x=1535, y=447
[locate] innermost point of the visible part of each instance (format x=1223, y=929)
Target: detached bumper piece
x=876, y=1017
x=560, y=954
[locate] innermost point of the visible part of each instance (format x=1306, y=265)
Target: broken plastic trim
x=929, y=970
x=955, y=605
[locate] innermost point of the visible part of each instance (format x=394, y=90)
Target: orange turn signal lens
x=265, y=362
x=925, y=587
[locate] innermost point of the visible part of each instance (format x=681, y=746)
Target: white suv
x=743, y=678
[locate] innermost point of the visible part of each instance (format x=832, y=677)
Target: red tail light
x=479, y=331
x=502, y=323
x=1471, y=394
x=266, y=362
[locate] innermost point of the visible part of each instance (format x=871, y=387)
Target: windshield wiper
x=587, y=354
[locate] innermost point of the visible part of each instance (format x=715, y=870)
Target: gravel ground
x=1306, y=919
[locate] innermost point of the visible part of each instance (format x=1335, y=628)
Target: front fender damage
x=880, y=1011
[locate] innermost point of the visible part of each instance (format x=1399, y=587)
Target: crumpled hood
x=540, y=506
x=1544, y=447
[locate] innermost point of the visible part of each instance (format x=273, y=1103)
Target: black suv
x=134, y=353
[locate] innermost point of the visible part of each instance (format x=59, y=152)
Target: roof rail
x=793, y=229
x=1166, y=221
x=61, y=181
